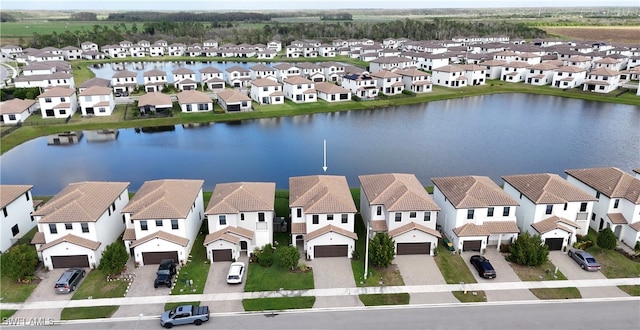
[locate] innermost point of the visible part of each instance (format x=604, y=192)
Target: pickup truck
x=185, y=314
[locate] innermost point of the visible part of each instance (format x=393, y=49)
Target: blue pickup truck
x=185, y=314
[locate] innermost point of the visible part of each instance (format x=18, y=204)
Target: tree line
x=147, y=16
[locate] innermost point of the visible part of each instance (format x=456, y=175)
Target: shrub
x=637, y=247
x=583, y=245
x=265, y=257
x=20, y=262
x=288, y=257
x=606, y=239
x=114, y=257
x=528, y=250
x=381, y=250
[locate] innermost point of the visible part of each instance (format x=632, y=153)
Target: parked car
x=165, y=273
x=483, y=266
x=585, y=260
x=69, y=280
x=236, y=271
x=185, y=314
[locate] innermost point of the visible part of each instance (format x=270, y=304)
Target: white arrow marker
x=324, y=147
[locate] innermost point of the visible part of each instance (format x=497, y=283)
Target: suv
x=69, y=280
x=483, y=266
x=165, y=273
x=236, y=271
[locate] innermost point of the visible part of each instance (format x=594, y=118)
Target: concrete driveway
x=333, y=273
x=504, y=273
x=142, y=286
x=572, y=271
x=217, y=283
x=44, y=292
x=421, y=269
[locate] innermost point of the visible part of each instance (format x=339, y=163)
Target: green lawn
x=614, y=264
x=197, y=269
x=276, y=304
x=10, y=289
x=275, y=278
x=545, y=272
x=26, y=28
x=455, y=271
x=95, y=286
x=96, y=312
x=385, y=299
x=470, y=296
x=6, y=313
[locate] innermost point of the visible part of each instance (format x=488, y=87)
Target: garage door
x=471, y=245
x=414, y=248
x=554, y=244
x=330, y=251
x=233, y=107
x=70, y=261
x=151, y=258
x=222, y=255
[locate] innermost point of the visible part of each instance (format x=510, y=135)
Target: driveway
x=331, y=273
x=504, y=274
x=572, y=271
x=422, y=270
x=217, y=283
x=142, y=286
x=44, y=292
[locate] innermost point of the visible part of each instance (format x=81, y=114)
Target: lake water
x=492, y=135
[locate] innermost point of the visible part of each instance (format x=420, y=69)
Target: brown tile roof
x=237, y=68
x=501, y=227
x=265, y=82
x=38, y=238
x=384, y=74
x=164, y=199
x=546, y=188
x=129, y=234
x=124, y=74
x=210, y=69
x=81, y=202
x=154, y=73
x=232, y=198
x=193, y=96
x=397, y=192
x=220, y=235
x=570, y=68
x=57, y=92
x=635, y=226
x=610, y=181
x=96, y=82
x=471, y=229
x=299, y=228
x=321, y=194
x=330, y=229
x=448, y=68
x=295, y=80
x=9, y=193
x=412, y=72
x=617, y=218
x=414, y=226
x=15, y=106
x=473, y=192
x=229, y=234
x=261, y=67
x=183, y=70
x=232, y=95
x=604, y=72
x=163, y=235
x=96, y=90
x=379, y=225
x=553, y=223
x=73, y=239
x=155, y=99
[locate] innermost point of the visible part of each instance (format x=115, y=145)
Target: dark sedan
x=483, y=266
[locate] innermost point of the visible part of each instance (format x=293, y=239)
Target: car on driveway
x=584, y=259
x=165, y=273
x=483, y=266
x=236, y=271
x=69, y=280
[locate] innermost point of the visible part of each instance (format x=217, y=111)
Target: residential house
x=184, y=79
x=176, y=49
x=494, y=68
x=391, y=63
x=16, y=202
x=299, y=89
x=163, y=219
x=89, y=46
x=154, y=80
x=61, y=79
x=540, y=74
x=194, y=101
x=260, y=71
x=154, y=102
x=95, y=81
x=72, y=53
x=124, y=81
x=415, y=80
x=568, y=77
x=238, y=76
x=311, y=71
x=449, y=76
x=551, y=207
x=609, y=63
x=240, y=219
x=389, y=83
x=115, y=51
x=58, y=102
x=10, y=51
x=602, y=80
x=475, y=74
x=79, y=222
x=293, y=51
x=327, y=50
x=156, y=50
x=38, y=69
x=398, y=204
x=333, y=71
x=322, y=216
x=16, y=111
x=362, y=85
x=97, y=101
x=285, y=70
x=232, y=100
x=266, y=54
x=475, y=212
x=617, y=203
x=507, y=56
x=274, y=45
x=267, y=91
x=210, y=43
x=580, y=61
x=93, y=55
x=332, y=93
x=514, y=71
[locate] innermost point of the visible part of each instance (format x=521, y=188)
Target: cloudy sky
x=204, y=5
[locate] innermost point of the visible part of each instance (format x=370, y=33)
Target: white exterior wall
x=258, y=93
x=223, y=245
x=600, y=208
x=19, y=117
x=73, y=106
x=557, y=233
x=526, y=212
x=291, y=92
x=546, y=80
x=406, y=219
x=159, y=245
x=68, y=249
x=263, y=231
x=330, y=239
x=448, y=217
x=322, y=221
x=18, y=213
x=494, y=71
x=86, y=103
x=195, y=107
x=417, y=236
x=478, y=76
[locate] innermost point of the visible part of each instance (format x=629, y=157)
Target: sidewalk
x=321, y=292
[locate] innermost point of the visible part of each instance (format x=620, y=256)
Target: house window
x=158, y=223
x=490, y=212
x=412, y=215
x=549, y=209
x=616, y=203
x=62, y=99
x=427, y=216
x=47, y=99
x=12, y=117
x=174, y=224
x=470, y=214
x=398, y=216
x=85, y=227
x=143, y=225
x=329, y=217
x=345, y=218
x=583, y=207
x=63, y=111
x=316, y=219
x=4, y=211
x=188, y=107
x=124, y=219
x=68, y=226
x=223, y=219
x=52, y=228
x=260, y=216
x=505, y=211
x=379, y=210
x=299, y=213
x=565, y=206
x=241, y=216
x=597, y=194
x=15, y=230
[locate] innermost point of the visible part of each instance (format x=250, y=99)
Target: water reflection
x=155, y=129
x=65, y=138
x=104, y=135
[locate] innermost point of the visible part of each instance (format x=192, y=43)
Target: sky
x=226, y=5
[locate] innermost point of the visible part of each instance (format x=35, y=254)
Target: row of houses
x=163, y=217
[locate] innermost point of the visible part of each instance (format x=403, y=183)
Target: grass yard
x=95, y=286
x=197, y=267
x=614, y=264
x=282, y=204
x=276, y=304
x=275, y=278
x=470, y=296
x=81, y=313
x=26, y=28
x=385, y=299
x=632, y=290
x=10, y=289
x=545, y=272
x=6, y=313
x=455, y=271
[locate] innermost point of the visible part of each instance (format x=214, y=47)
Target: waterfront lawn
x=385, y=299
x=197, y=267
x=545, y=272
x=282, y=208
x=276, y=304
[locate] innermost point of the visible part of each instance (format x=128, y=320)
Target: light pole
x=366, y=254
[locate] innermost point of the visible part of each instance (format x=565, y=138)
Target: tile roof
x=265, y=82
x=261, y=67
x=501, y=227
x=96, y=90
x=635, y=226
x=155, y=99
x=471, y=229
x=295, y=80
x=384, y=74
x=553, y=223
x=414, y=226
x=237, y=68
x=397, y=192
x=604, y=72
x=129, y=234
x=329, y=88
x=229, y=234
x=57, y=92
x=236, y=197
x=163, y=235
x=15, y=106
x=38, y=238
x=81, y=202
x=164, y=199
x=610, y=181
x=330, y=229
x=232, y=95
x=73, y=239
x=412, y=72
x=379, y=225
x=298, y=228
x=321, y=194
x=210, y=69
x=9, y=193
x=617, y=218
x=448, y=68
x=124, y=74
x=546, y=188
x=193, y=96
x=473, y=192
x=183, y=70
x=154, y=73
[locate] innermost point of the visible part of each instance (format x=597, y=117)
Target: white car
x=236, y=271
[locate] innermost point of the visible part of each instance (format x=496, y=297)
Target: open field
x=27, y=28
x=596, y=33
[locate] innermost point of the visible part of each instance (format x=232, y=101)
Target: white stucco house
x=240, y=219
x=601, y=80
x=97, y=101
x=332, y=93
x=322, y=216
x=475, y=74
x=231, y=100
x=475, y=212
x=514, y=71
x=212, y=78
x=267, y=91
x=415, y=80
x=238, y=76
x=568, y=77
x=262, y=71
x=389, y=83
x=299, y=89
x=391, y=63
x=399, y=205
x=184, y=79
x=124, y=81
x=16, y=202
x=551, y=207
x=16, y=111
x=154, y=80
x=58, y=102
x=449, y=76
x=163, y=219
x=361, y=85
x=285, y=70
x=194, y=101
x=617, y=203
x=540, y=74
x=79, y=222
x=154, y=102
